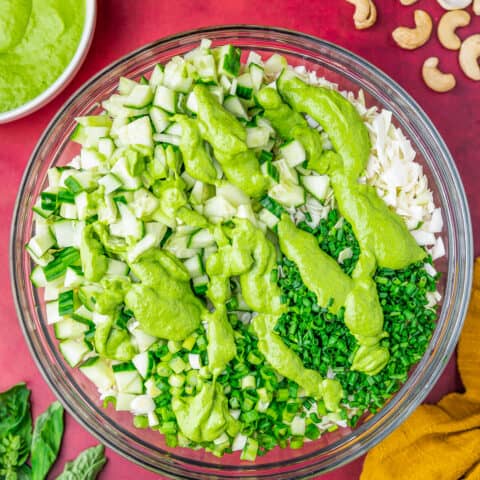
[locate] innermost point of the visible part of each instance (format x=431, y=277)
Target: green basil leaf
x=14, y=407
x=46, y=440
x=15, y=425
x=86, y=466
x=24, y=472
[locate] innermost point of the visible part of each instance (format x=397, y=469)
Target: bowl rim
x=434, y=371
x=66, y=76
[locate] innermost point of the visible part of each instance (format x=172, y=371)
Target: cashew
x=476, y=7
x=454, y=4
x=408, y=2
x=469, y=55
x=434, y=78
x=447, y=25
x=365, y=13
x=412, y=38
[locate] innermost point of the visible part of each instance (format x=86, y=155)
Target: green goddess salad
x=240, y=255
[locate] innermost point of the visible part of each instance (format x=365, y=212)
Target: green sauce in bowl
x=38, y=39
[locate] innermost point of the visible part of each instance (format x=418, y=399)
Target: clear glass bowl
x=147, y=448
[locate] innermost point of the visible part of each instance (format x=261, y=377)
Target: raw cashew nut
x=412, y=38
x=454, y=4
x=408, y=2
x=365, y=13
x=469, y=55
x=434, y=78
x=476, y=7
x=447, y=25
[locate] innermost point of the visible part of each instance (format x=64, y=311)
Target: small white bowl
x=64, y=79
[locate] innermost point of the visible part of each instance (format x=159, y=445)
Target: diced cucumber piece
x=89, y=136
x=157, y=75
x=83, y=315
x=317, y=185
x=201, y=239
x=51, y=309
x=233, y=104
x=126, y=85
x=176, y=75
x=229, y=60
x=106, y=147
x=68, y=211
x=268, y=218
x=288, y=194
x=194, y=266
x=138, y=132
x=157, y=229
x=98, y=371
x=293, y=152
x=160, y=119
x=142, y=405
x=244, y=86
x=73, y=351
x=143, y=340
x=117, y=267
x=257, y=137
x=128, y=381
x=37, y=277
x=192, y=103
x=41, y=243
x=287, y=174
x=201, y=192
x=128, y=226
x=200, y=284
x=68, y=232
x=129, y=181
x=110, y=183
x=177, y=244
x=218, y=209
x=167, y=138
x=145, y=363
x=73, y=278
x=275, y=64
x=234, y=195
x=256, y=75
x=69, y=328
x=166, y=99
x=246, y=212
x=144, y=203
x=91, y=159
x=139, y=97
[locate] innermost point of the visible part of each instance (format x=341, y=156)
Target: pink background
x=124, y=25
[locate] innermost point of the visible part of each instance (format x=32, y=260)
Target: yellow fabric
x=439, y=442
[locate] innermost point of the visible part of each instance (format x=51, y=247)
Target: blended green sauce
x=228, y=138
x=38, y=38
x=163, y=301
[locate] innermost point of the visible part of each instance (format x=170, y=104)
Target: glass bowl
x=147, y=448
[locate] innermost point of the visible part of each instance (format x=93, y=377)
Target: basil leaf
x=24, y=472
x=86, y=466
x=14, y=407
x=15, y=426
x=47, y=437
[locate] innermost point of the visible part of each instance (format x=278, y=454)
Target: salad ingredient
x=46, y=440
x=37, y=41
x=15, y=429
x=228, y=138
x=454, y=4
x=163, y=293
x=447, y=25
x=434, y=78
x=365, y=13
x=86, y=466
x=302, y=248
x=412, y=38
x=17, y=443
x=469, y=55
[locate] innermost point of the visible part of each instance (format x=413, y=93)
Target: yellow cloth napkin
x=439, y=442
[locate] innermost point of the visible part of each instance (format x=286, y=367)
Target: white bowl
x=64, y=79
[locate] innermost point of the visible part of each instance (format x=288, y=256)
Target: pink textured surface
x=124, y=25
